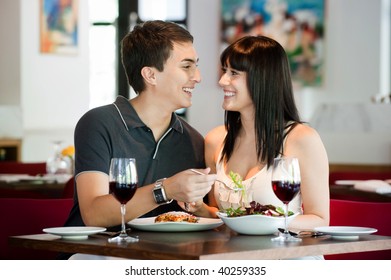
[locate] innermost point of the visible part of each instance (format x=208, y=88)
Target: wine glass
x=56, y=164
x=286, y=185
x=123, y=183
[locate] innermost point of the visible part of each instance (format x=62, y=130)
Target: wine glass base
x=286, y=237
x=123, y=239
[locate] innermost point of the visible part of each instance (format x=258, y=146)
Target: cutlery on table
x=113, y=234
x=303, y=233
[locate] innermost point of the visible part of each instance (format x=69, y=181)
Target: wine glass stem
x=123, y=211
x=286, y=217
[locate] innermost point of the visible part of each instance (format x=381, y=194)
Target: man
x=161, y=65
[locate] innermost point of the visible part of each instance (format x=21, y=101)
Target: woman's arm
x=305, y=143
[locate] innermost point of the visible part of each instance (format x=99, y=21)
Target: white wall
x=54, y=89
x=204, y=23
x=351, y=76
x=351, y=54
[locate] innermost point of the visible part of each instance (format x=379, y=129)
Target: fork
x=217, y=180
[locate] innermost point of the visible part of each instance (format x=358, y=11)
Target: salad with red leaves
x=256, y=208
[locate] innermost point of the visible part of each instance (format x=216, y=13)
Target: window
x=103, y=49
x=172, y=10
x=385, y=47
x=110, y=21
x=133, y=12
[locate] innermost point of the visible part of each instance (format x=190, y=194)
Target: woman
x=262, y=123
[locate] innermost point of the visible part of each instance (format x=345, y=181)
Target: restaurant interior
x=44, y=92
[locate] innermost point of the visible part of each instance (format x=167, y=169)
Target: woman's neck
x=248, y=127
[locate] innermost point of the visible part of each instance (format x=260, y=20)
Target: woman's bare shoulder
x=304, y=132
x=216, y=135
x=305, y=137
x=213, y=143
x=214, y=140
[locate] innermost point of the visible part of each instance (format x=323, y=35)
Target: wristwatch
x=159, y=193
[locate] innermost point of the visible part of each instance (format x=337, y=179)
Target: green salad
x=256, y=208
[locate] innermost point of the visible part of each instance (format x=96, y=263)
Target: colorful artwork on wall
x=59, y=26
x=298, y=25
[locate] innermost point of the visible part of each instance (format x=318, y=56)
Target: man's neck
x=153, y=114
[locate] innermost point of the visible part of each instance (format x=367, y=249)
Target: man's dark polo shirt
x=115, y=130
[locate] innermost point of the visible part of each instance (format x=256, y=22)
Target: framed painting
x=59, y=26
x=298, y=25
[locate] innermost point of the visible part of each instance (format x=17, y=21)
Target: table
x=350, y=193
x=45, y=187
x=220, y=243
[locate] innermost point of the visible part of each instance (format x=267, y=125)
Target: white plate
x=342, y=232
x=148, y=224
x=74, y=233
x=347, y=182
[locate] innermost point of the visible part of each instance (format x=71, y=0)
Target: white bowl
x=254, y=224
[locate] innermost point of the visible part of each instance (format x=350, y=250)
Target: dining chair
x=16, y=167
x=69, y=188
x=21, y=216
x=363, y=214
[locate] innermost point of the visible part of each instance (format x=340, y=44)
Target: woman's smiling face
x=236, y=93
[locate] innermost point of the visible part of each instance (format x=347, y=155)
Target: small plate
x=346, y=233
x=74, y=233
x=148, y=224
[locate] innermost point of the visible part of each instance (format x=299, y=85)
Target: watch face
x=158, y=195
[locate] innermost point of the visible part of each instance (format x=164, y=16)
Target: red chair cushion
x=69, y=188
x=20, y=216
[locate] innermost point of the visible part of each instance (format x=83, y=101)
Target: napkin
x=377, y=186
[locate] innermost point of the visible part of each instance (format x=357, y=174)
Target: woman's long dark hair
x=270, y=87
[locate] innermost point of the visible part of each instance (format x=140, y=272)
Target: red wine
x=123, y=192
x=285, y=190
